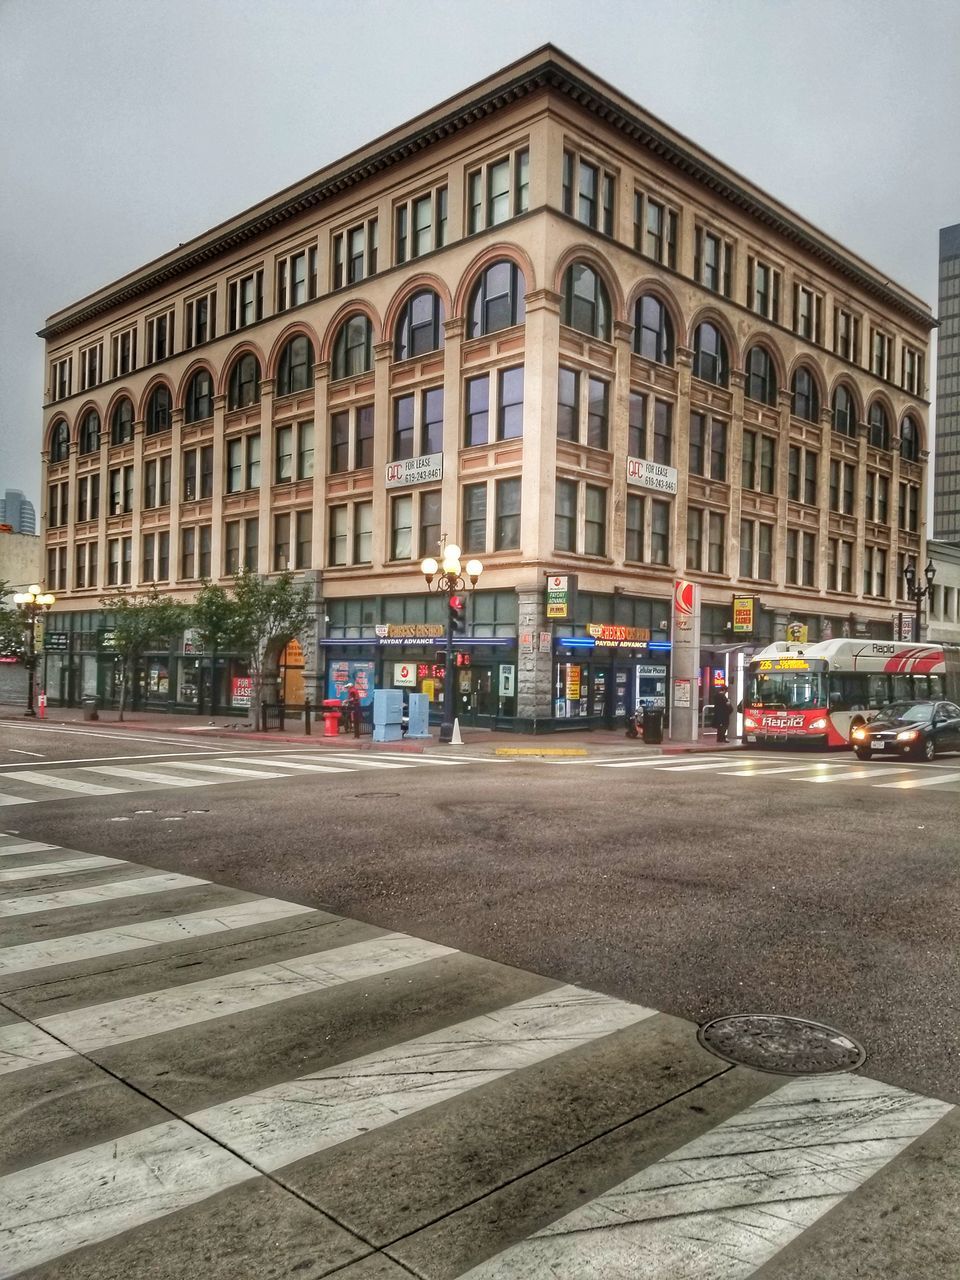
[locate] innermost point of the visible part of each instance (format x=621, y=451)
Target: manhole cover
x=787, y=1046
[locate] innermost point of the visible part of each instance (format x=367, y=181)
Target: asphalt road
x=693, y=892
x=270, y=1011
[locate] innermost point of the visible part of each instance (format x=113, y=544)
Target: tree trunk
x=123, y=687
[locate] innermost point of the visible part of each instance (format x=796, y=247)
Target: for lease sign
x=651, y=475
x=428, y=467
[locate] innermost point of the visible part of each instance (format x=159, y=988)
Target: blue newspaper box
x=419, y=726
x=387, y=715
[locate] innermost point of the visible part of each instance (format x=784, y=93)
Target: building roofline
x=544, y=68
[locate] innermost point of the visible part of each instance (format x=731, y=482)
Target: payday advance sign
x=561, y=589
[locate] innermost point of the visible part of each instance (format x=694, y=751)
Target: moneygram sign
x=426, y=469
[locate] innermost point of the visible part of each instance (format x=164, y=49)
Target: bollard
x=306, y=715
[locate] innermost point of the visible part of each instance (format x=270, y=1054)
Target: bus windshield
x=786, y=690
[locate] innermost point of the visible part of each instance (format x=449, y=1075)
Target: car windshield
x=910, y=711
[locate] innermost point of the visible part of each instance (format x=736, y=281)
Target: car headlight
x=859, y=734
x=907, y=735
x=817, y=724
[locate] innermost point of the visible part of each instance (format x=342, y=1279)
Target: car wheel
x=928, y=749
x=862, y=753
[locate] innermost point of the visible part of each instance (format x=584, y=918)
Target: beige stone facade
x=574, y=261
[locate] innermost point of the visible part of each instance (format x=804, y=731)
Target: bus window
x=936, y=687
x=902, y=689
x=848, y=692
x=878, y=691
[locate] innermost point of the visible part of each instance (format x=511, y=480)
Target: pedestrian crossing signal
x=458, y=615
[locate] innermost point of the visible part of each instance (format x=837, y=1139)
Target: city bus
x=817, y=694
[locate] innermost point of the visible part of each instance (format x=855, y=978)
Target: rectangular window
x=245, y=301
x=637, y=425
x=188, y=466
x=498, y=191
x=150, y=484
x=588, y=192
x=253, y=461
x=478, y=411
x=88, y=497
x=363, y=533
x=61, y=378
x=231, y=547
x=633, y=549
x=113, y=562
x=159, y=334
x=846, y=334
x=802, y=475
x=510, y=404
x=304, y=450
x=188, y=553
x=663, y=432
x=147, y=558
x=124, y=352
x=911, y=370
x=811, y=463
x=430, y=522
x=163, y=556
x=881, y=349
x=697, y=457
x=304, y=535
x=568, y=404
x=401, y=527
x=808, y=559
x=340, y=442
x=234, y=465
x=716, y=542
x=808, y=313
x=565, y=518
x=200, y=319
x=80, y=567
x=694, y=538
x=354, y=256
x=507, y=531
x=768, y=451
x=114, y=497
x=283, y=455
x=251, y=544
x=849, y=478
x=793, y=557
x=659, y=532
x=421, y=225
x=763, y=289
x=655, y=230
x=126, y=561
x=206, y=471
x=747, y=549
x=432, y=428
x=281, y=542
x=598, y=413
x=765, y=552
x=402, y=428
x=713, y=261
x=91, y=366
x=595, y=521
x=203, y=558
x=364, y=432
x=475, y=517
x=883, y=498
x=297, y=278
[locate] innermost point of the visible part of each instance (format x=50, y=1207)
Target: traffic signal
x=458, y=615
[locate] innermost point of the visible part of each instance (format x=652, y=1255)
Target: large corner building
x=534, y=320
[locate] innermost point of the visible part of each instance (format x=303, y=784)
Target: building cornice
x=546, y=69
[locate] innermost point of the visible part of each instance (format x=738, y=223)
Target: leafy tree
x=258, y=621
x=213, y=616
x=142, y=620
x=13, y=643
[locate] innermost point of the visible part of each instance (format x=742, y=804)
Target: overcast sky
x=129, y=127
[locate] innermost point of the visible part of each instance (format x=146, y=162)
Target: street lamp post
x=31, y=605
x=449, y=582
x=915, y=591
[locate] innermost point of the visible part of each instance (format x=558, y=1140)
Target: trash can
x=652, y=724
x=90, y=707
x=331, y=717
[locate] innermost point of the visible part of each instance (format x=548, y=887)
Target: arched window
x=199, y=397
x=89, y=441
x=806, y=397
x=653, y=331
x=121, y=422
x=244, y=387
x=844, y=414
x=710, y=360
x=498, y=300
x=295, y=370
x=586, y=303
x=878, y=426
x=353, y=348
x=419, y=326
x=909, y=440
x=60, y=443
x=761, y=381
x=159, y=408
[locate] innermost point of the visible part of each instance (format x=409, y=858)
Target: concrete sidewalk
x=499, y=742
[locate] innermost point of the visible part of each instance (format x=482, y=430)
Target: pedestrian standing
x=354, y=709
x=721, y=714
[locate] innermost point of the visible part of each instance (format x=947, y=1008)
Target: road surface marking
x=728, y=1201
x=89, y=1196
x=132, y=1018
x=853, y=773
x=61, y=784
x=30, y=903
x=91, y=760
x=296, y=764
x=357, y=763
x=920, y=782
x=649, y=762
x=14, y=800
x=145, y=933
x=791, y=768
x=221, y=768
x=119, y=737
x=18, y=752
x=691, y=768
x=24, y=1045
x=147, y=775
x=31, y=846
x=66, y=867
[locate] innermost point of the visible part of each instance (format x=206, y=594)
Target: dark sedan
x=920, y=730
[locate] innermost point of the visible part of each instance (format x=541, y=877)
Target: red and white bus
x=819, y=693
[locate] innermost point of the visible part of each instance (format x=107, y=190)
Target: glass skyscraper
x=946, y=492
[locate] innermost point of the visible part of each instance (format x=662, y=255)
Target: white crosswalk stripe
x=693, y=1192
x=57, y=780
x=922, y=782
x=817, y=770
x=29, y=846
x=153, y=775
x=63, y=866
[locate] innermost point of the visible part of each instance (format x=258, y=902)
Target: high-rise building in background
x=17, y=511
x=946, y=485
